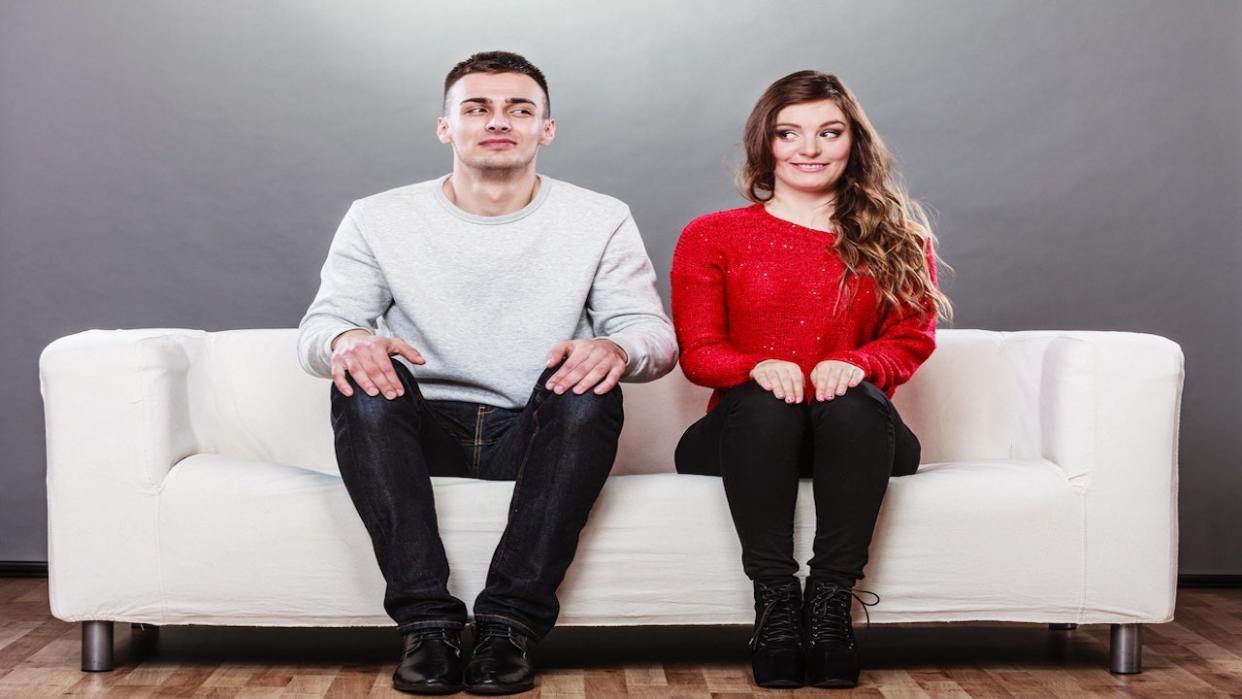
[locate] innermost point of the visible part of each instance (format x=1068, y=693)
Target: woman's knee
x=751, y=408
x=859, y=407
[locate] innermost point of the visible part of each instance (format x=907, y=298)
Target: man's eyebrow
x=508, y=100
x=836, y=122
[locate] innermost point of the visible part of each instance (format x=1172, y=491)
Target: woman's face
x=811, y=146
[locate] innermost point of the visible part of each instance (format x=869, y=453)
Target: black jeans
x=760, y=446
x=558, y=449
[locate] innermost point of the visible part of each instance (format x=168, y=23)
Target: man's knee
x=377, y=405
x=583, y=410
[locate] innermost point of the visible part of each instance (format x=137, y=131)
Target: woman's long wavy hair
x=880, y=230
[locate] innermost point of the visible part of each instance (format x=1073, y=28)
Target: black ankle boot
x=828, y=632
x=430, y=662
x=775, y=646
x=500, y=664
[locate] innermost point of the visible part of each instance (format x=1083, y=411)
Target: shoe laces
x=485, y=632
x=830, y=613
x=778, y=616
x=413, y=638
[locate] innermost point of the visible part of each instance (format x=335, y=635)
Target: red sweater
x=747, y=286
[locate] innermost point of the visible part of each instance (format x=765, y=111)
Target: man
x=482, y=279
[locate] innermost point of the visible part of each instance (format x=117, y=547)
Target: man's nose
x=498, y=123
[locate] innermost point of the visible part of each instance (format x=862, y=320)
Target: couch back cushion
x=976, y=397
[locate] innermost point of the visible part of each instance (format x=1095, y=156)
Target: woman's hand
x=783, y=379
x=832, y=378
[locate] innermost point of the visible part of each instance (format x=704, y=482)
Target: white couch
x=192, y=480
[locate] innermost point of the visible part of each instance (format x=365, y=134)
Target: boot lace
x=830, y=613
x=778, y=618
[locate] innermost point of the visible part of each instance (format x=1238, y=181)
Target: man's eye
x=523, y=112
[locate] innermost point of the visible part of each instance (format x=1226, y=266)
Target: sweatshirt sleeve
x=623, y=306
x=352, y=294
x=905, y=340
x=698, y=293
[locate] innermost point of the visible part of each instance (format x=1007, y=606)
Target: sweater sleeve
x=697, y=278
x=625, y=308
x=905, y=340
x=352, y=294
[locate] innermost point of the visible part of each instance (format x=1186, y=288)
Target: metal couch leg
x=96, y=646
x=1125, y=649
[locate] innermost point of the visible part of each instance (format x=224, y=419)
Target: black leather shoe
x=500, y=664
x=430, y=663
x=831, y=648
x=775, y=646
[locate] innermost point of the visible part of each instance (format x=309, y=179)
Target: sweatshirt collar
x=545, y=186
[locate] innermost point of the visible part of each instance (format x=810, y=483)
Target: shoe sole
x=835, y=684
x=426, y=689
x=493, y=689
x=779, y=684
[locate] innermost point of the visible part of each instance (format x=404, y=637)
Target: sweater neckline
x=545, y=187
x=772, y=218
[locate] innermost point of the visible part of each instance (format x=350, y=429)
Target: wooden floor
x=1198, y=655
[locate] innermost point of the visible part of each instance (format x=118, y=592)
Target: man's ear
x=442, y=130
x=549, y=132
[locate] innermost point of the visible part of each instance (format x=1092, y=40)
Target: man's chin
x=499, y=166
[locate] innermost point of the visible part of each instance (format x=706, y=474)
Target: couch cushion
x=253, y=542
x=974, y=398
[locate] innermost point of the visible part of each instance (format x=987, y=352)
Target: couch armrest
x=1112, y=422
x=117, y=407
x=116, y=404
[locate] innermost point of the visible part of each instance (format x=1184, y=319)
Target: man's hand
x=832, y=378
x=366, y=357
x=784, y=379
x=598, y=363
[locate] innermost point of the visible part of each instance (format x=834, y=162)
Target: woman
x=805, y=311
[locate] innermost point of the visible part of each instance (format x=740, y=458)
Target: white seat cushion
x=659, y=548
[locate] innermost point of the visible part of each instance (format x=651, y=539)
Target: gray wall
x=185, y=165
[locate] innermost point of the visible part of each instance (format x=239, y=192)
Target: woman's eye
x=786, y=135
x=831, y=132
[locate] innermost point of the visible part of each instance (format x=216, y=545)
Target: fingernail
x=390, y=395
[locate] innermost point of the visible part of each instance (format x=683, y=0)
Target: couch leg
x=96, y=646
x=1125, y=649
x=1062, y=627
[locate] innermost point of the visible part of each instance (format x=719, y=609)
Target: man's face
x=495, y=121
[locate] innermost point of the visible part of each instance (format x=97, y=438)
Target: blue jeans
x=558, y=450
x=760, y=446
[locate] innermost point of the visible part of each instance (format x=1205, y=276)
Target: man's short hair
x=497, y=62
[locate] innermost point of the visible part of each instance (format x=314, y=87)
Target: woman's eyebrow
x=836, y=122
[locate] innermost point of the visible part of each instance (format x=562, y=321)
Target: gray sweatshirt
x=484, y=298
